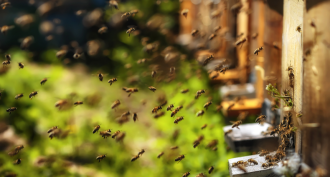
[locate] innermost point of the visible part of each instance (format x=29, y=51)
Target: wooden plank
x=253, y=106
x=257, y=26
x=292, y=52
x=316, y=97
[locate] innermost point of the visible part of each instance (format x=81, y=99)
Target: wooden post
x=257, y=26
x=316, y=97
x=292, y=52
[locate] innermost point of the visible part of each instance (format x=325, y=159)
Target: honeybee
x=199, y=139
x=134, y=158
x=204, y=126
x=242, y=168
x=159, y=115
x=33, y=94
x=153, y=74
x=61, y=53
x=18, y=148
x=5, y=63
x=185, y=91
x=121, y=136
x=206, y=105
x=52, y=129
x=261, y=118
x=112, y=81
x=125, y=114
x=228, y=131
x=61, y=103
x=135, y=117
x=212, y=144
x=126, y=15
x=186, y=174
x=181, y=157
x=129, y=31
x=263, y=153
x=54, y=133
x=27, y=42
x=12, y=109
x=115, y=104
x=254, y=35
x=200, y=113
x=20, y=65
x=78, y=103
x=100, y=76
x=43, y=81
x=161, y=154
x=236, y=124
x=157, y=108
x=19, y=96
x=96, y=128
x=170, y=107
x=298, y=29
x=207, y=60
x=105, y=133
x=5, y=4
x=253, y=161
x=141, y=152
x=212, y=36
x=272, y=164
x=256, y=52
x=100, y=157
x=199, y=93
x=113, y=3
x=5, y=28
x=115, y=134
x=240, y=42
x=184, y=12
x=291, y=75
x=196, y=143
x=265, y=165
x=217, y=28
x=211, y=169
x=174, y=147
x=103, y=30
x=152, y=88
x=201, y=175
x=194, y=32
x=230, y=106
x=16, y=162
x=177, y=120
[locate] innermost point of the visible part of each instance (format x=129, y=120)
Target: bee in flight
x=96, y=128
x=186, y=174
x=194, y=32
x=160, y=154
x=178, y=159
x=135, y=158
x=19, y=96
x=4, y=29
x=105, y=133
x=78, y=103
x=43, y=81
x=115, y=104
x=200, y=113
x=12, y=109
x=185, y=91
x=33, y=94
x=52, y=129
x=261, y=118
x=212, y=36
x=16, y=162
x=256, y=52
x=177, y=120
x=236, y=124
x=204, y=126
x=199, y=93
x=135, y=117
x=207, y=60
x=169, y=108
x=20, y=65
x=100, y=157
x=129, y=31
x=152, y=88
x=141, y=152
x=103, y=30
x=211, y=169
x=228, y=131
x=206, y=105
x=157, y=108
x=112, y=80
x=184, y=12
x=115, y=134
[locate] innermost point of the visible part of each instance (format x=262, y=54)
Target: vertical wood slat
x=316, y=97
x=257, y=26
x=292, y=53
x=272, y=55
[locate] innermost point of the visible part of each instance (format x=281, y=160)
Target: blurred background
x=65, y=46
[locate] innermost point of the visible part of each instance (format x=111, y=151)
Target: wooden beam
x=292, y=53
x=316, y=86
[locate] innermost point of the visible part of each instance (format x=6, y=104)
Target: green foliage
x=276, y=94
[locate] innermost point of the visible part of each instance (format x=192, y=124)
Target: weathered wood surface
x=292, y=53
x=316, y=97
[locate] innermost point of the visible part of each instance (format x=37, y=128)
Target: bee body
x=78, y=103
x=211, y=169
x=157, y=108
x=19, y=96
x=18, y=161
x=33, y=94
x=161, y=154
x=177, y=120
x=100, y=157
x=96, y=128
x=152, y=88
x=105, y=133
x=12, y=109
x=43, y=81
x=20, y=65
x=200, y=113
x=115, y=134
x=256, y=52
x=169, y=108
x=135, y=117
x=178, y=159
x=112, y=80
x=115, y=104
x=186, y=174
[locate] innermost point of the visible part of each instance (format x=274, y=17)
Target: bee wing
x=232, y=122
